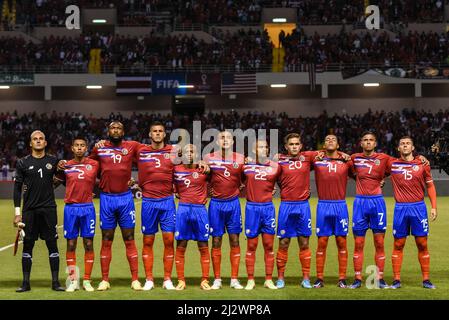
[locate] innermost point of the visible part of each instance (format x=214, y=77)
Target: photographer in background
x=441, y=155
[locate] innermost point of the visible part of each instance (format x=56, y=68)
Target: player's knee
x=421, y=243
x=28, y=246
x=216, y=242
x=52, y=246
x=304, y=244
x=399, y=245
x=88, y=245
x=108, y=235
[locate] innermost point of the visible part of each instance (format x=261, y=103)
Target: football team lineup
x=222, y=176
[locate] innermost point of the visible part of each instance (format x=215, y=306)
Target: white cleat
x=235, y=283
x=168, y=284
x=88, y=286
x=103, y=286
x=148, y=285
x=270, y=285
x=73, y=286
x=136, y=286
x=250, y=285
x=216, y=285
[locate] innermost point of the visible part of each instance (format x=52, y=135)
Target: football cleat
x=136, y=285
x=24, y=288
x=205, y=285
x=56, y=286
x=383, y=284
x=250, y=285
x=396, y=284
x=428, y=285
x=148, y=285
x=168, y=284
x=181, y=285
x=280, y=284
x=216, y=285
x=270, y=285
x=88, y=286
x=342, y=284
x=73, y=286
x=103, y=286
x=356, y=284
x=235, y=283
x=318, y=284
x=306, y=284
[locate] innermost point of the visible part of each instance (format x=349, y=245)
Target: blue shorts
x=411, y=218
x=192, y=222
x=259, y=218
x=369, y=212
x=117, y=208
x=332, y=218
x=294, y=219
x=79, y=219
x=225, y=213
x=155, y=211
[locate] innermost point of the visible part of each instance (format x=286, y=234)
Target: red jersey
x=226, y=174
x=190, y=184
x=116, y=164
x=80, y=180
x=409, y=179
x=331, y=177
x=370, y=171
x=294, y=179
x=260, y=180
x=155, y=171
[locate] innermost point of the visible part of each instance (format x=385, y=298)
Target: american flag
x=232, y=83
x=133, y=85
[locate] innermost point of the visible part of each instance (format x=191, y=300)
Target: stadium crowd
x=62, y=128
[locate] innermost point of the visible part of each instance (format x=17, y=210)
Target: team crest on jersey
x=415, y=168
x=48, y=166
x=302, y=158
x=235, y=165
x=88, y=167
x=377, y=162
x=124, y=151
x=195, y=175
x=167, y=156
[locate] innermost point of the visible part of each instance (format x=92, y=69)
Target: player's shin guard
x=180, y=258
x=358, y=256
x=250, y=258
x=216, y=262
x=396, y=257
x=70, y=257
x=89, y=257
x=342, y=257
x=105, y=258
x=321, y=256
x=148, y=256
x=423, y=257
x=53, y=255
x=205, y=263
x=27, y=259
x=169, y=254
x=268, y=242
x=380, y=253
x=235, y=262
x=281, y=261
x=133, y=259
x=305, y=257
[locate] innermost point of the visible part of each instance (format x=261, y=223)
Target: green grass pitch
x=11, y=275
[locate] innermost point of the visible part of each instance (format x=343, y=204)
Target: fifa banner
x=16, y=78
x=168, y=83
x=413, y=72
x=204, y=83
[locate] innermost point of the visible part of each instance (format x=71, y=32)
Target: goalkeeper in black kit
x=34, y=178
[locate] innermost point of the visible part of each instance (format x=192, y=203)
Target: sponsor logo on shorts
x=48, y=166
x=124, y=151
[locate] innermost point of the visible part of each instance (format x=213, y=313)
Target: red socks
x=379, y=257
x=131, y=254
x=281, y=261
x=396, y=257
x=235, y=262
x=148, y=256
x=268, y=242
x=89, y=257
x=358, y=256
x=179, y=260
x=250, y=258
x=342, y=257
x=423, y=256
x=305, y=257
x=71, y=263
x=216, y=262
x=321, y=256
x=169, y=252
x=205, y=262
x=105, y=258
